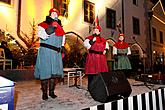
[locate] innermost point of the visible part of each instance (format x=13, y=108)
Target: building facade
x=158, y=36
x=77, y=16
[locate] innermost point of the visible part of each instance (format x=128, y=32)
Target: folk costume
x=49, y=64
x=96, y=59
x=121, y=50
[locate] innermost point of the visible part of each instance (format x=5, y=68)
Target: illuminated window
x=111, y=18
x=136, y=26
x=89, y=11
x=6, y=1
x=62, y=6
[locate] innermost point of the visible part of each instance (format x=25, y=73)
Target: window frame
x=154, y=37
x=9, y=2
x=136, y=25
x=62, y=6
x=110, y=23
x=161, y=37
x=135, y=2
x=89, y=13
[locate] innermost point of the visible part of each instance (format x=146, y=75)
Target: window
x=136, y=26
x=6, y=1
x=154, y=33
x=110, y=18
x=62, y=6
x=135, y=2
x=161, y=37
x=89, y=11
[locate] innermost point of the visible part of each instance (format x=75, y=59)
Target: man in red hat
x=96, y=59
x=121, y=50
x=49, y=66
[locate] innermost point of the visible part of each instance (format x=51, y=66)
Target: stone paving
x=28, y=96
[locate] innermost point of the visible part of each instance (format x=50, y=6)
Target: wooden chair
x=3, y=61
x=74, y=73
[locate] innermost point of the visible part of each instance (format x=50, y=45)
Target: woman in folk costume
x=49, y=66
x=96, y=59
x=121, y=50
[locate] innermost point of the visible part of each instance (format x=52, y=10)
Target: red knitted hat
x=121, y=35
x=98, y=27
x=54, y=10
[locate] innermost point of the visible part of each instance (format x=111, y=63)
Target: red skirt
x=96, y=63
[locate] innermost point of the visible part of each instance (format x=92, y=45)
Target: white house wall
x=8, y=15
x=37, y=10
x=138, y=12
x=30, y=9
x=33, y=9
x=76, y=16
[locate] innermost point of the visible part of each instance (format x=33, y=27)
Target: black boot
x=51, y=88
x=44, y=88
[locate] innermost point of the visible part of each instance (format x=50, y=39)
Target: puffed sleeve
x=42, y=33
x=87, y=44
x=63, y=40
x=114, y=52
x=129, y=51
x=107, y=46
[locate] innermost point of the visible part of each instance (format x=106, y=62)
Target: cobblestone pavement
x=28, y=96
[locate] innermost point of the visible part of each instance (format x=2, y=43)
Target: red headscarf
x=121, y=44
